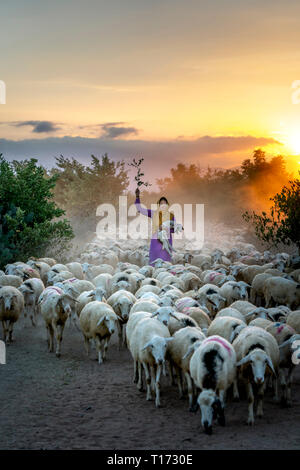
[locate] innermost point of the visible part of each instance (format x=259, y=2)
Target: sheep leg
x=260, y=398
x=148, y=381
x=120, y=334
x=32, y=319
x=289, y=386
x=124, y=338
x=179, y=381
x=236, y=395
x=5, y=330
x=221, y=414
x=157, y=386
x=170, y=368
x=58, y=334
x=276, y=393
x=105, y=346
x=250, y=396
x=10, y=331
x=282, y=382
x=140, y=379
x=87, y=345
x=51, y=339
x=99, y=349
x=190, y=389
x=152, y=372
x=135, y=372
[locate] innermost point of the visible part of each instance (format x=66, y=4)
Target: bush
x=27, y=212
x=282, y=225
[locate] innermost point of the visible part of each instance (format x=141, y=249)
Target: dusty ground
x=73, y=403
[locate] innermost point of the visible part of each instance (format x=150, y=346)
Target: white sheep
x=256, y=293
x=56, y=307
x=143, y=305
x=233, y=290
x=231, y=312
x=148, y=348
x=31, y=290
x=98, y=322
x=183, y=339
x=89, y=296
x=289, y=358
x=293, y=319
x=10, y=280
x=281, y=291
x=11, y=307
x=227, y=327
x=121, y=302
x=258, y=356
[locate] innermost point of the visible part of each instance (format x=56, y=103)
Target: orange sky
x=143, y=70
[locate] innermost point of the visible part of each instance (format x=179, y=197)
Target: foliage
x=27, y=211
x=139, y=174
x=282, y=225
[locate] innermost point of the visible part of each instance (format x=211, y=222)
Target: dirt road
x=73, y=403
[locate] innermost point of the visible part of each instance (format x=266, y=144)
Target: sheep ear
x=154, y=314
x=169, y=339
x=68, y=296
x=91, y=294
x=232, y=336
x=244, y=360
x=100, y=321
x=270, y=364
x=189, y=351
x=146, y=345
x=285, y=343
x=174, y=316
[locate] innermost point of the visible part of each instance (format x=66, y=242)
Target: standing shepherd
x=163, y=225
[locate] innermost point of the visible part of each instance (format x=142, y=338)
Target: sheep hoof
x=250, y=422
x=236, y=399
x=57, y=354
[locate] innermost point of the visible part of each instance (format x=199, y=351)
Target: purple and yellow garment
x=156, y=249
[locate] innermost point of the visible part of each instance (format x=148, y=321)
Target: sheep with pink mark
x=213, y=370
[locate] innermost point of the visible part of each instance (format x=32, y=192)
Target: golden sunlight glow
x=293, y=142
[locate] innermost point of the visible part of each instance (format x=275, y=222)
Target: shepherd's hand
x=137, y=192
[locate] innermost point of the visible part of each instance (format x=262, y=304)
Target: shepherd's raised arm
x=142, y=210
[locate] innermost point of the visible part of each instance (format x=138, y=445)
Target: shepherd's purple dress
x=156, y=249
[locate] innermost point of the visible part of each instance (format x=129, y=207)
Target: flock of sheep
x=214, y=321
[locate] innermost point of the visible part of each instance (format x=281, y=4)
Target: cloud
x=38, y=126
x=159, y=156
x=111, y=130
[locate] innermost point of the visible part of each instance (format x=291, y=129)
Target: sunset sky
x=171, y=80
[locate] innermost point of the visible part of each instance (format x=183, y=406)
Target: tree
x=282, y=225
x=27, y=211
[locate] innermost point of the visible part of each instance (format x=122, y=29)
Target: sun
x=293, y=142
